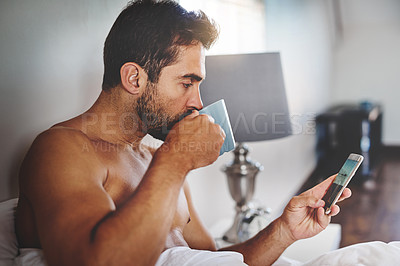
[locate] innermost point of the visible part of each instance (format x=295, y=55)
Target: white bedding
x=371, y=253
x=31, y=257
x=182, y=256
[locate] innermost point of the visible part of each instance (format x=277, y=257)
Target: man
x=92, y=193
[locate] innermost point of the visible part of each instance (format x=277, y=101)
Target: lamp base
x=241, y=173
x=247, y=223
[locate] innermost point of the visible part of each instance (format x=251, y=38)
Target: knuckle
x=294, y=200
x=205, y=117
x=223, y=133
x=218, y=129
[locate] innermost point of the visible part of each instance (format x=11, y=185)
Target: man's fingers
x=306, y=201
x=320, y=189
x=335, y=209
x=222, y=132
x=323, y=219
x=210, y=118
x=327, y=182
x=346, y=194
x=193, y=114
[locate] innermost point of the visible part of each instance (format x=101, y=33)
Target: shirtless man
x=91, y=193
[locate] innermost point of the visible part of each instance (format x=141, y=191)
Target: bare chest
x=125, y=172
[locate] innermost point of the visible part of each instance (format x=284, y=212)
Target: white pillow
x=8, y=239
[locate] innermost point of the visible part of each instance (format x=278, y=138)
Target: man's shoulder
x=56, y=150
x=60, y=140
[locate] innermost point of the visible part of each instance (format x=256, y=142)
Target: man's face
x=175, y=95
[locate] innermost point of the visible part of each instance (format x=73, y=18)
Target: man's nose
x=195, y=100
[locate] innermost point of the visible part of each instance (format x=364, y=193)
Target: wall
x=367, y=59
x=303, y=32
x=51, y=69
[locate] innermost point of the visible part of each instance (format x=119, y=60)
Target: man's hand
x=196, y=140
x=304, y=216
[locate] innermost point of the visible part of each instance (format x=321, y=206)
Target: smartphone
x=342, y=180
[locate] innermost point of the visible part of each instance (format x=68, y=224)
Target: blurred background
x=333, y=52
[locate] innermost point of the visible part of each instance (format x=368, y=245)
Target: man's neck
x=109, y=120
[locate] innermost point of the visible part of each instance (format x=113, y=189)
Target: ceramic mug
x=218, y=111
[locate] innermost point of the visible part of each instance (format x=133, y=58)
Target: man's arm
x=77, y=221
x=302, y=218
x=195, y=233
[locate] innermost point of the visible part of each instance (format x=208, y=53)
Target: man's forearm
x=266, y=246
x=140, y=227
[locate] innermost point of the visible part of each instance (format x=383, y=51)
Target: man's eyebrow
x=193, y=76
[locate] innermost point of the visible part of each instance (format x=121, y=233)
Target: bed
x=371, y=253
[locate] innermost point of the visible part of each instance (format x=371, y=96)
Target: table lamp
x=254, y=92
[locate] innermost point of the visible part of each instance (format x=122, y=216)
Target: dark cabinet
x=345, y=129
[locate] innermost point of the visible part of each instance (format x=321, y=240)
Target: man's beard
x=152, y=112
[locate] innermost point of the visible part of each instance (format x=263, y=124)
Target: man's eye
x=187, y=85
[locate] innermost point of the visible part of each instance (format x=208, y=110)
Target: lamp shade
x=254, y=92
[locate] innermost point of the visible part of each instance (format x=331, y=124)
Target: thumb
x=306, y=201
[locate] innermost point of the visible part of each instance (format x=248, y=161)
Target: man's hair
x=149, y=33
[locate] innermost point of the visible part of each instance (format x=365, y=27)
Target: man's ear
x=133, y=78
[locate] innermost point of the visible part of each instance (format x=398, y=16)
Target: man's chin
x=161, y=133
